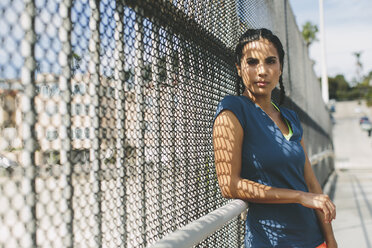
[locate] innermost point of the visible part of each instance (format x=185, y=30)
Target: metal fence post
x=140, y=139
x=29, y=138
x=65, y=58
x=120, y=117
x=95, y=91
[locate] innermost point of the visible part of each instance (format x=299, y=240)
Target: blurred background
x=348, y=48
x=348, y=43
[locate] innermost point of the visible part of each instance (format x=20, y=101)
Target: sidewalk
x=353, y=199
x=353, y=177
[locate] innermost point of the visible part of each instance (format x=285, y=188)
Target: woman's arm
x=227, y=141
x=324, y=217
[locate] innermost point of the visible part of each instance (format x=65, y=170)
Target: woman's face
x=259, y=67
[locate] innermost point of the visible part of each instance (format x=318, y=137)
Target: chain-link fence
x=106, y=114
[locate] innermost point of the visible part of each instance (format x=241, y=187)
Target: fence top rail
x=198, y=230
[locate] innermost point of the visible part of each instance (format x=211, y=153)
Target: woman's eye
x=252, y=61
x=271, y=61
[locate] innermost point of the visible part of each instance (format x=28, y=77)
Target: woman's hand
x=320, y=202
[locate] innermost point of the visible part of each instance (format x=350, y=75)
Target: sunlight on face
x=260, y=68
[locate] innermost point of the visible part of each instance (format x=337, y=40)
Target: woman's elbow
x=228, y=186
x=228, y=192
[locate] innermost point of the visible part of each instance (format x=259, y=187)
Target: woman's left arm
x=314, y=187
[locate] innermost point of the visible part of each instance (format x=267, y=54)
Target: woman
x=260, y=154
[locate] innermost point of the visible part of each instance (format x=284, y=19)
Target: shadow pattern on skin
x=225, y=136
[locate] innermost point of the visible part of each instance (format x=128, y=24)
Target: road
x=353, y=177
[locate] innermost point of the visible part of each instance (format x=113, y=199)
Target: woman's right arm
x=227, y=142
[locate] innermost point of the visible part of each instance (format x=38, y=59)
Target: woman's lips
x=261, y=83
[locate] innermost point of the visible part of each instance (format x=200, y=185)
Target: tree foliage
x=340, y=89
x=309, y=32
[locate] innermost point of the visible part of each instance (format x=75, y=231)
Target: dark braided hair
x=253, y=35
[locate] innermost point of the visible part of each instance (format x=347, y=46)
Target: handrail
x=316, y=158
x=198, y=230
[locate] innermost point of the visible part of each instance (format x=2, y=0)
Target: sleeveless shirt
x=270, y=159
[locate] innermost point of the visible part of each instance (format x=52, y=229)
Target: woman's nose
x=261, y=69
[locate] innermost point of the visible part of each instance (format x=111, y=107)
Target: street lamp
x=325, y=93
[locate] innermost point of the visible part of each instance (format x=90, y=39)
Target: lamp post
x=325, y=93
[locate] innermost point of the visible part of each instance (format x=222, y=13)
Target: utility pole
x=325, y=93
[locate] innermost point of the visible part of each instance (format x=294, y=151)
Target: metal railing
x=198, y=230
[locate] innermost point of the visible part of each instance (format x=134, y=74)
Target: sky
x=348, y=29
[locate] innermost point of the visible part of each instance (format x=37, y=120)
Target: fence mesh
x=106, y=111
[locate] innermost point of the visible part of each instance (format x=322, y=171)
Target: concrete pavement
x=353, y=177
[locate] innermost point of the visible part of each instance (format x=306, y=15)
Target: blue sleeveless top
x=270, y=159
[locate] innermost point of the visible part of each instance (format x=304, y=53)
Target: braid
x=282, y=91
x=239, y=86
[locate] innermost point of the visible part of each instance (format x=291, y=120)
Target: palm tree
x=359, y=65
x=309, y=31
